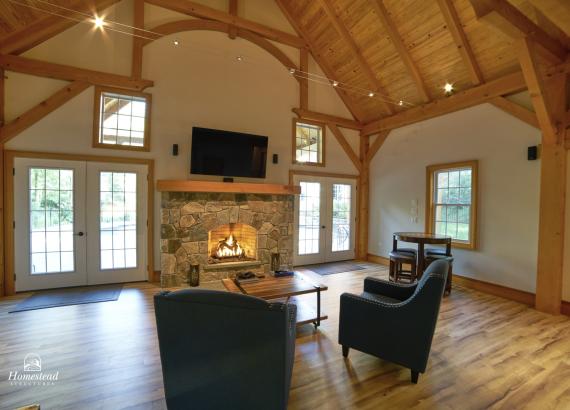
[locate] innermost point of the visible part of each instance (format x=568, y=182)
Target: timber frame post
x=363, y=200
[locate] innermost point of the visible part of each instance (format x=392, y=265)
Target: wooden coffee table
x=287, y=289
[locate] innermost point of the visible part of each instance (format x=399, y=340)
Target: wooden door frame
x=294, y=172
x=9, y=246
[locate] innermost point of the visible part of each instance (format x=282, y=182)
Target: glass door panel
x=309, y=218
x=341, y=213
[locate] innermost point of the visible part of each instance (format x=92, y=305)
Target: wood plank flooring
x=487, y=353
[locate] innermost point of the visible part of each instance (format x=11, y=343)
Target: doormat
x=70, y=296
x=333, y=267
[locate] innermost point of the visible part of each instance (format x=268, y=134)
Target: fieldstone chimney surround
x=188, y=218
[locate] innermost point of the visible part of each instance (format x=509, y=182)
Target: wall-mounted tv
x=228, y=154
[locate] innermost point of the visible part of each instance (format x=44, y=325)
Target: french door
x=78, y=223
x=324, y=219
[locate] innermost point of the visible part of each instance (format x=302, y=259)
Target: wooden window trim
x=430, y=210
x=97, y=117
x=323, y=142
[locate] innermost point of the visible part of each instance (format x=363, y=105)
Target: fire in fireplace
x=232, y=243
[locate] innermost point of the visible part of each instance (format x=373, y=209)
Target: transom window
x=122, y=119
x=308, y=143
x=452, y=202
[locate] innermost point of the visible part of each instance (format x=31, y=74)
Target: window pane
x=465, y=196
x=465, y=178
x=309, y=218
x=117, y=224
x=51, y=220
x=308, y=140
x=454, y=179
x=341, y=217
x=123, y=119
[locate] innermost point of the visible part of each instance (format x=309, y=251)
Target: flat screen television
x=228, y=154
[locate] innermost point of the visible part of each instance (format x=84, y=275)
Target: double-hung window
x=451, y=202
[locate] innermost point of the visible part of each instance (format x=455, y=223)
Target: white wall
x=508, y=187
x=199, y=83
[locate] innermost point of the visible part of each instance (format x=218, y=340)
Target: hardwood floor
x=487, y=353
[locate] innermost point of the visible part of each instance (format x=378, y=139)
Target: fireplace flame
x=229, y=247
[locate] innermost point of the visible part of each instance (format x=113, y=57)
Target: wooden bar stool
x=397, y=272
x=434, y=254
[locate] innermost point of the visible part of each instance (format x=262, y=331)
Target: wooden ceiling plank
x=320, y=117
x=376, y=145
x=516, y=110
x=48, y=26
x=546, y=113
x=463, y=46
x=403, y=52
x=69, y=73
x=32, y=116
x=464, y=99
x=198, y=10
x=507, y=18
x=233, y=10
x=347, y=99
x=357, y=54
x=345, y=146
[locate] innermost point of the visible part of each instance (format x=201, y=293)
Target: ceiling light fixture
x=371, y=94
x=400, y=103
x=176, y=42
x=335, y=83
x=291, y=71
x=448, y=88
x=99, y=22
x=239, y=58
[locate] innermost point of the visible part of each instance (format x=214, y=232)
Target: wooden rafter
x=516, y=110
x=376, y=145
x=463, y=46
x=137, y=61
x=403, y=52
x=344, y=96
x=198, y=10
x=29, y=118
x=345, y=145
x=363, y=199
x=303, y=81
x=356, y=53
x=320, y=117
x=233, y=10
x=510, y=20
x=49, y=25
x=69, y=73
x=545, y=112
x=464, y=99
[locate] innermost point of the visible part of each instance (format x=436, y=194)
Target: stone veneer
x=187, y=217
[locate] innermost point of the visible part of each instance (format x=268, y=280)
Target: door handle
x=79, y=234
x=323, y=227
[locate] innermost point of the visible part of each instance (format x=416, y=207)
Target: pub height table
x=422, y=238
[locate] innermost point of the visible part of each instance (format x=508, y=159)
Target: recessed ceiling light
x=99, y=22
x=239, y=58
x=371, y=94
x=335, y=83
x=176, y=42
x=291, y=71
x=448, y=88
x=400, y=103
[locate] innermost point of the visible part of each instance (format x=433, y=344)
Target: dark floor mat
x=69, y=296
x=333, y=267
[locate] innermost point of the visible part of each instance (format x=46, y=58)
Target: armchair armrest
x=394, y=290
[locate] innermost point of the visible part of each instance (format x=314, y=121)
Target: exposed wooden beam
x=136, y=65
x=198, y=10
x=510, y=20
x=463, y=46
x=556, y=11
x=516, y=110
x=346, y=98
x=304, y=82
x=376, y=145
x=345, y=145
x=363, y=200
x=317, y=116
x=233, y=9
x=356, y=53
x=403, y=52
x=464, y=99
x=49, y=25
x=69, y=73
x=29, y=118
x=545, y=112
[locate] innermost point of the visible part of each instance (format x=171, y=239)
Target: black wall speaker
x=275, y=158
x=175, y=149
x=228, y=179
x=532, y=153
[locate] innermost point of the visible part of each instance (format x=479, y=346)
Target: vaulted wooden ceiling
x=399, y=49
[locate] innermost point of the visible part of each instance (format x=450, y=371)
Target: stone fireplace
x=224, y=233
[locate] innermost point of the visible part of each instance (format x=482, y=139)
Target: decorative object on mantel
x=194, y=275
x=275, y=261
x=223, y=187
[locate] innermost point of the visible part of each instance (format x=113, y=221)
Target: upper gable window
x=308, y=143
x=121, y=119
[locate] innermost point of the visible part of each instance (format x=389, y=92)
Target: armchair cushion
x=379, y=298
x=393, y=290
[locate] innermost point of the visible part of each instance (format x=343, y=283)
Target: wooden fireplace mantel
x=230, y=187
